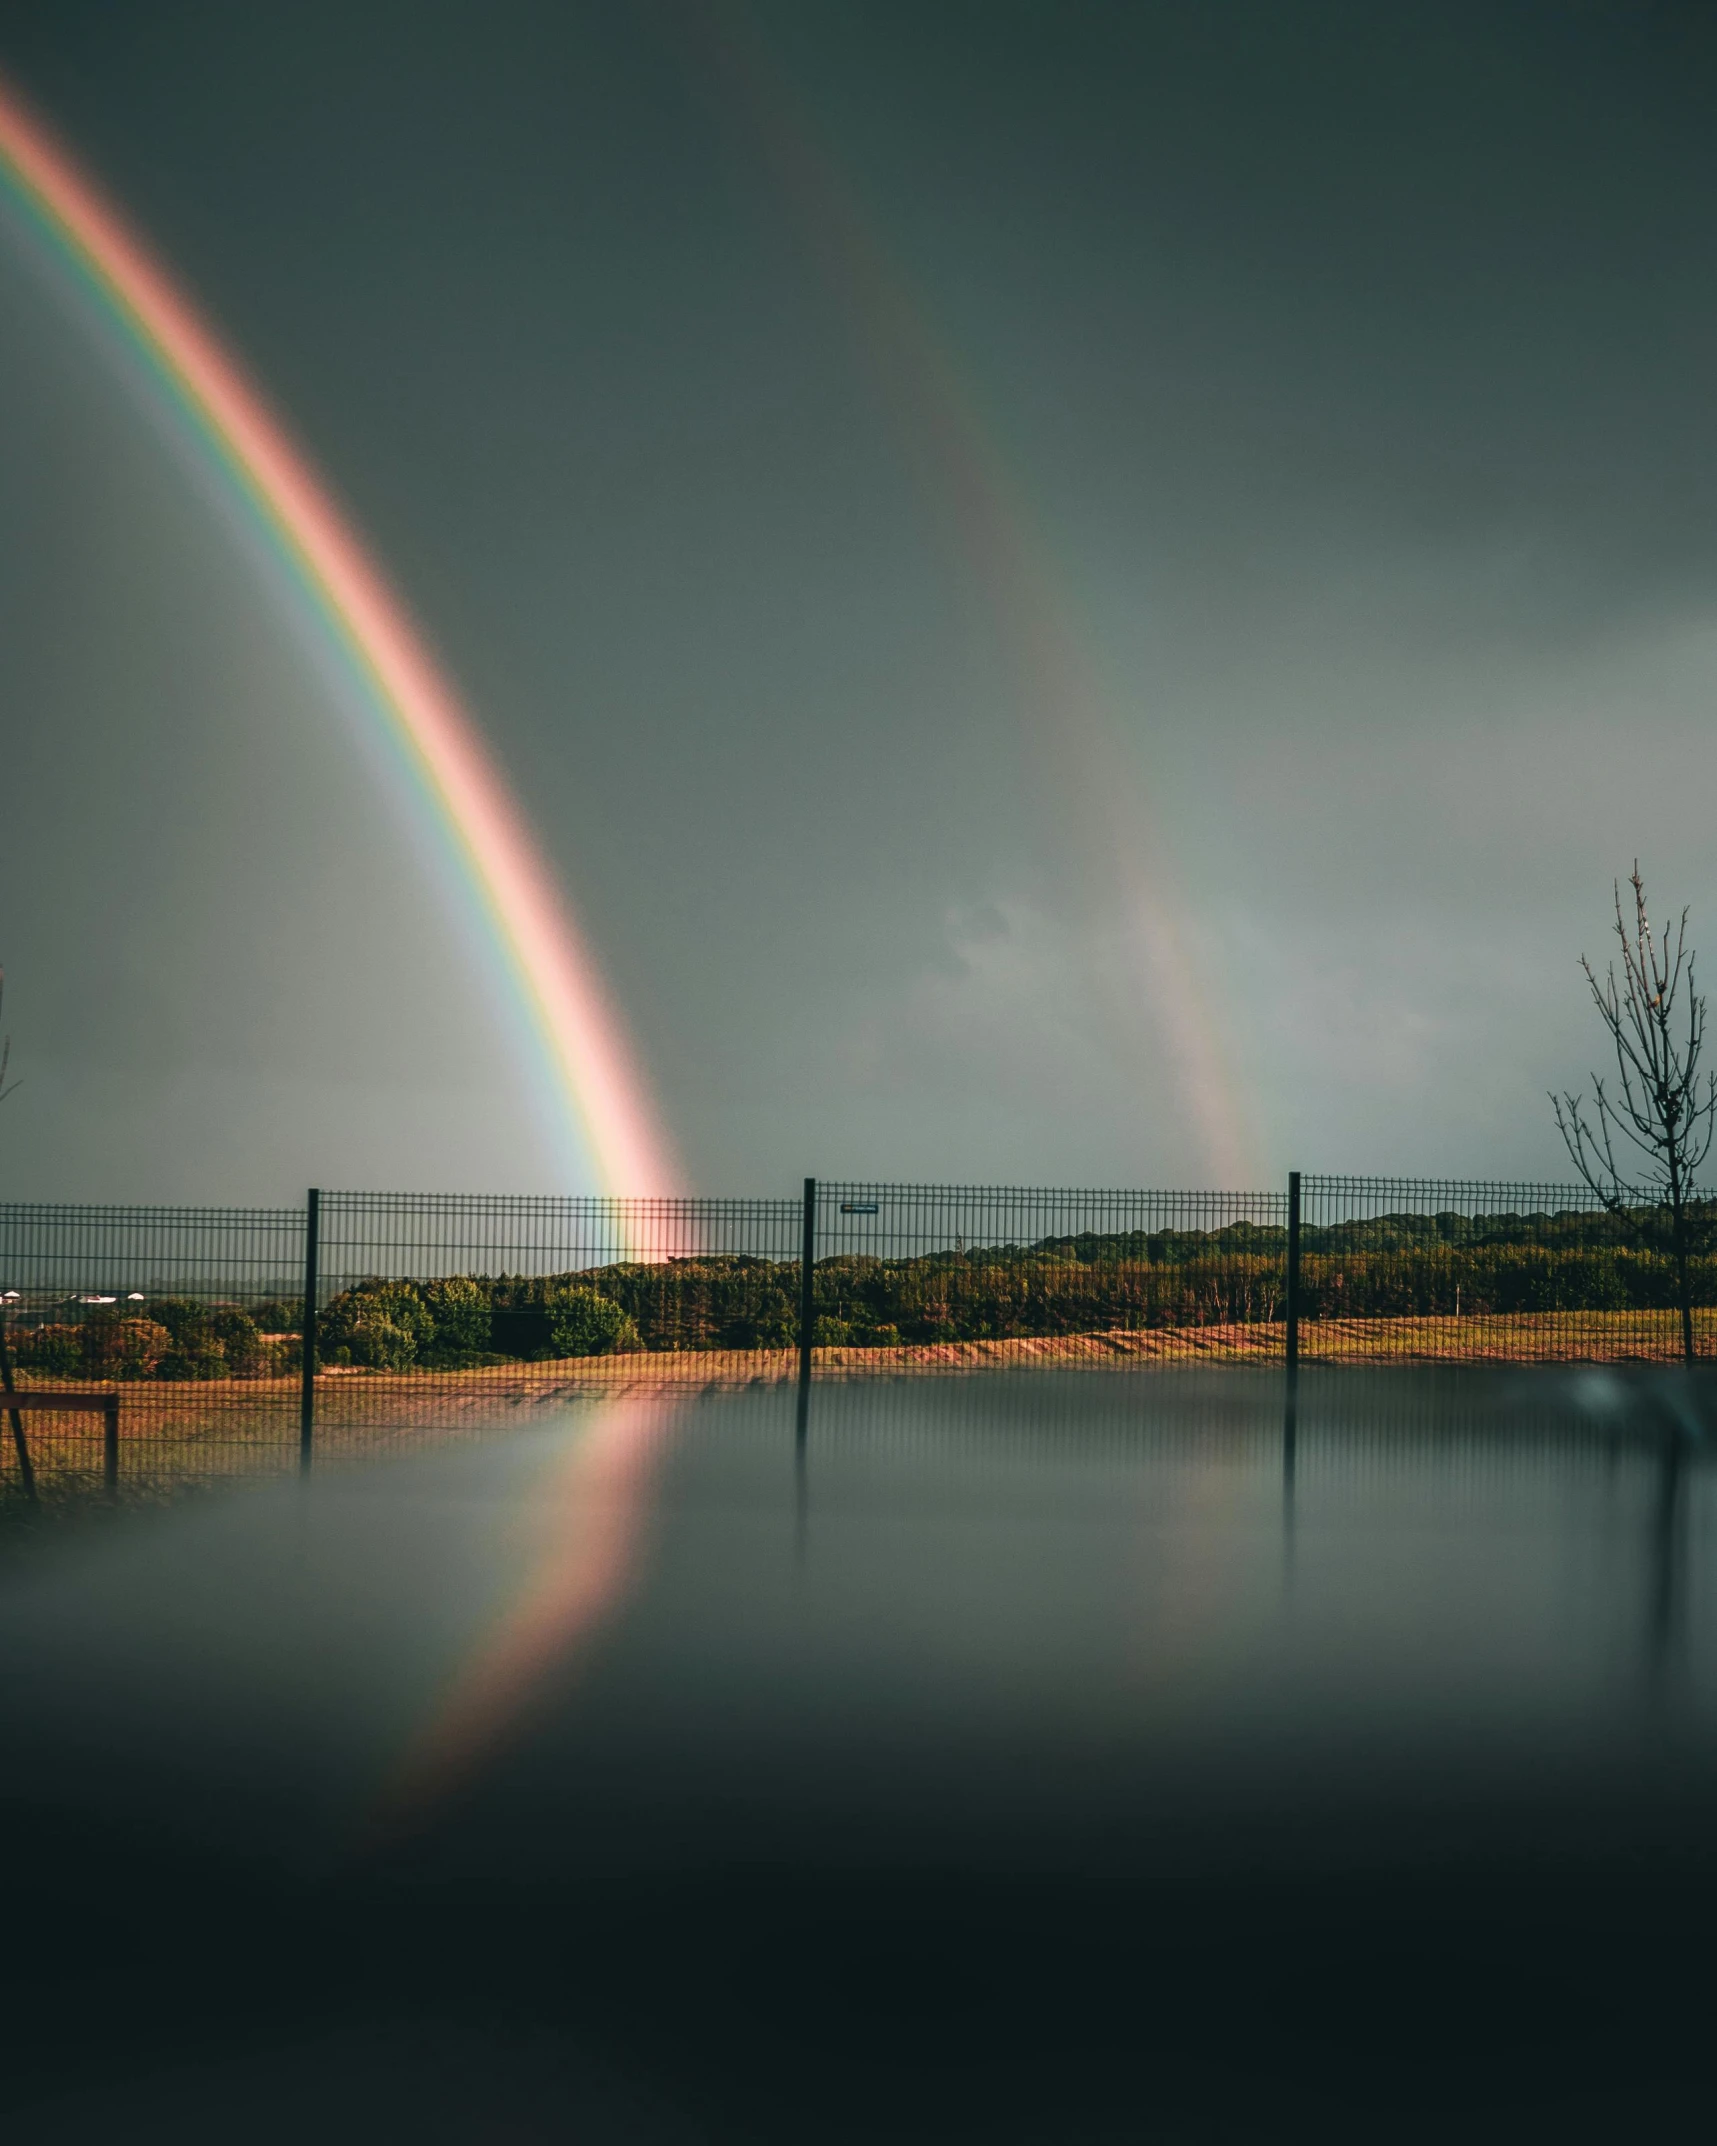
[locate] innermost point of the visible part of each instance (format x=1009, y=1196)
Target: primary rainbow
x=595, y=1086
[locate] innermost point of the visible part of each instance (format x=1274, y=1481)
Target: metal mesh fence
x=53, y=1255
x=190, y=1314
x=1349, y=1429
x=962, y=1274
x=474, y=1306
x=439, y=1314
x=1428, y=1270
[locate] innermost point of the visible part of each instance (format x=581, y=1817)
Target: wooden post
x=20, y=1444
x=61, y=1401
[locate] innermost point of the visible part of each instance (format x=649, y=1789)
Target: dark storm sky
x=1344, y=373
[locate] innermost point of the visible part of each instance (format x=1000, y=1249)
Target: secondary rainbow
x=595, y=1086
x=1114, y=844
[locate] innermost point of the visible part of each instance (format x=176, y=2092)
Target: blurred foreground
x=1059, y=1756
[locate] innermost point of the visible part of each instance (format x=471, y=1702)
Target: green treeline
x=1396, y=1267
x=1493, y=1280
x=1089, y=1286
x=171, y=1338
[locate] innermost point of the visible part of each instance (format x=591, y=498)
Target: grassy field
x=1611, y=1337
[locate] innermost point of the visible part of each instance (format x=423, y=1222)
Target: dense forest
x=1394, y=1267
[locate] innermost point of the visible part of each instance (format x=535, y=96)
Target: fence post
x=1293, y=1289
x=807, y=1260
x=110, y=1445
x=307, y=1365
x=20, y=1444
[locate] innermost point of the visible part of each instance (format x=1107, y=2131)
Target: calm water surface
x=1101, y=1756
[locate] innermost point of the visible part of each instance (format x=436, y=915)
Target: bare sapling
x=1660, y=1115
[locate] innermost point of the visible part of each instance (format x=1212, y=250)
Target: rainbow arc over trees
x=597, y=1092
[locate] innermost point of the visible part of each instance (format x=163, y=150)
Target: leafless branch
x=1662, y=1110
x=5, y=1048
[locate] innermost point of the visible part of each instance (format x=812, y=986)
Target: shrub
x=198, y=1359
x=57, y=1350
x=459, y=1314
x=194, y=1351
x=245, y=1353
x=211, y=1341
x=123, y=1348
x=183, y=1318
x=381, y=1325
x=581, y=1323
x=278, y=1315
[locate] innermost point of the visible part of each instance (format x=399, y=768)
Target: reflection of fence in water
x=1476, y=1432
x=1486, y=1420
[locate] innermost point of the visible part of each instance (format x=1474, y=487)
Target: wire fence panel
x=52, y=1255
x=441, y=1313
x=967, y=1274
x=474, y=1305
x=190, y=1314
x=1428, y=1270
